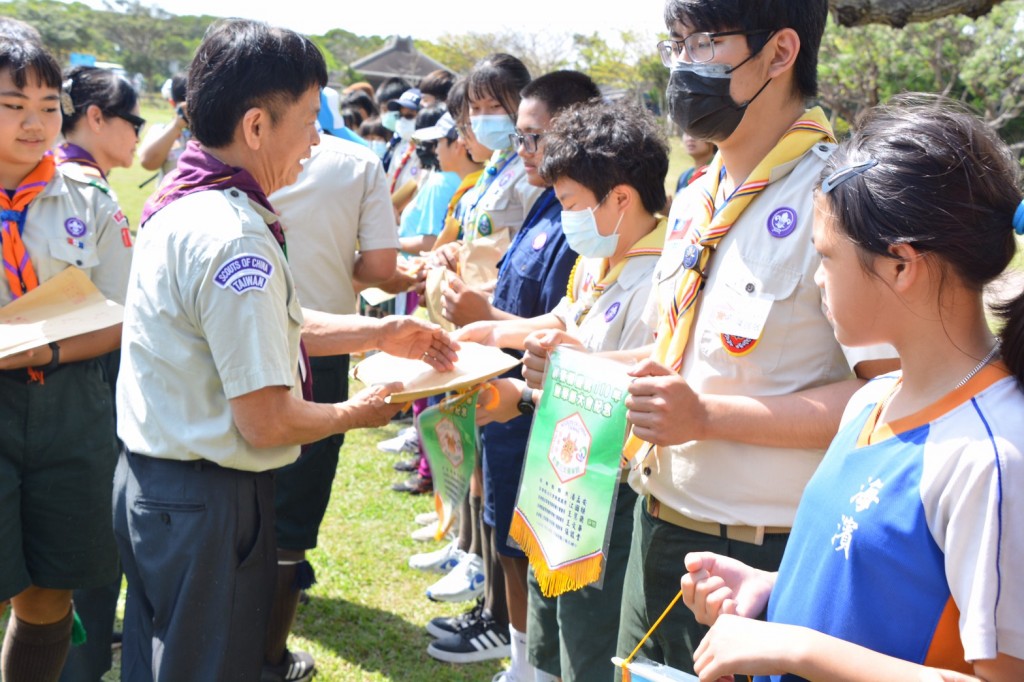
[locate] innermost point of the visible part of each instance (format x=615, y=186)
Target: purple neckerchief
x=198, y=171
x=69, y=152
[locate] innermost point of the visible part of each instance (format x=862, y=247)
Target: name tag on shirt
x=741, y=313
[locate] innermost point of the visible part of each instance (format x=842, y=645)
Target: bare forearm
x=628, y=355
x=327, y=334
x=274, y=417
x=153, y=152
x=806, y=419
x=418, y=244
x=512, y=332
x=820, y=657
x=373, y=267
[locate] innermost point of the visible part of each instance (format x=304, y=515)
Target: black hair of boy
x=438, y=84
x=559, y=90
x=806, y=17
x=602, y=145
x=15, y=29
x=28, y=58
x=500, y=76
x=248, y=64
x=391, y=89
x=358, y=99
x=372, y=127
x=89, y=85
x=179, y=88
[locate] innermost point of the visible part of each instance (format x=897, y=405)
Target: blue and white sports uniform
x=907, y=536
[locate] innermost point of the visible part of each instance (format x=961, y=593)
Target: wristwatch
x=525, y=403
x=54, y=360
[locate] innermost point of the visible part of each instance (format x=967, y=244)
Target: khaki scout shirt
x=504, y=204
x=74, y=222
x=339, y=204
x=212, y=314
x=616, y=319
x=761, y=277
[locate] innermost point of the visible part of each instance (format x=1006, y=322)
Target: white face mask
x=580, y=228
x=405, y=127
x=379, y=147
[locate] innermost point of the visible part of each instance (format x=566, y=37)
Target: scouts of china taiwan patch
x=737, y=345
x=244, y=273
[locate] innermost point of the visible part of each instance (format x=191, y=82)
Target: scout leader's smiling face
x=280, y=145
x=30, y=121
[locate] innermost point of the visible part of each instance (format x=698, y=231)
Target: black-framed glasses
x=846, y=173
x=530, y=142
x=136, y=121
x=700, y=47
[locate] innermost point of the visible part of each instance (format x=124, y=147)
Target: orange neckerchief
x=21, y=275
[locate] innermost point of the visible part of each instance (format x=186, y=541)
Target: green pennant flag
x=448, y=433
x=571, y=475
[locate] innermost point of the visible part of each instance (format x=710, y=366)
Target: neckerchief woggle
x=704, y=237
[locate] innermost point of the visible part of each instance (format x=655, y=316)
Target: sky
x=420, y=18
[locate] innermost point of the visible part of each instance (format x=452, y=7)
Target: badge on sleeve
x=75, y=227
x=244, y=273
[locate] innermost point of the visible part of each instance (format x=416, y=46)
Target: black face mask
x=699, y=100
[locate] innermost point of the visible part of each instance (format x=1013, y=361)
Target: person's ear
x=94, y=117
x=622, y=197
x=903, y=268
x=255, y=127
x=783, y=49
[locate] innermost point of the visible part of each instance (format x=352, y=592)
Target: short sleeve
x=977, y=525
x=242, y=298
x=377, y=228
x=114, y=249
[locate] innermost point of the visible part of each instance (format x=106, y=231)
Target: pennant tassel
x=554, y=581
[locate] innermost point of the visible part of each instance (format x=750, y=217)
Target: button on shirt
x=212, y=314
x=767, y=255
x=73, y=223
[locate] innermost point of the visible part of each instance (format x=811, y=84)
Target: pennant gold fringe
x=554, y=581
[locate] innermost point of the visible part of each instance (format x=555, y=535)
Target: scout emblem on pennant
x=571, y=474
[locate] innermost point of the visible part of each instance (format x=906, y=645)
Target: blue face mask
x=379, y=147
x=580, y=228
x=389, y=120
x=492, y=130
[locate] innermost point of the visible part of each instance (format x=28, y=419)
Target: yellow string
x=654, y=627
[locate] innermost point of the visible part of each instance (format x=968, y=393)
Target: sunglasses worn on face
x=136, y=121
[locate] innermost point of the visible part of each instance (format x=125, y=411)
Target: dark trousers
x=652, y=582
x=197, y=544
x=303, y=489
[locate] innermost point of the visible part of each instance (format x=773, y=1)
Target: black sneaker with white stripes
x=482, y=640
x=297, y=666
x=442, y=626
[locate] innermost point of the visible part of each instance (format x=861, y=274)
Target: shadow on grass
x=380, y=641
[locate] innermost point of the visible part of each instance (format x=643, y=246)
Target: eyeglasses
x=846, y=173
x=530, y=142
x=136, y=121
x=700, y=47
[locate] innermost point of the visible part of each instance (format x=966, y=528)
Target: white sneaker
x=406, y=441
x=426, y=518
x=426, y=534
x=439, y=561
x=464, y=583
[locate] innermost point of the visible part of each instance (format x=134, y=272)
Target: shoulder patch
x=244, y=273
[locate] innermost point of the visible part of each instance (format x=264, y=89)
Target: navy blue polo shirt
x=532, y=279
